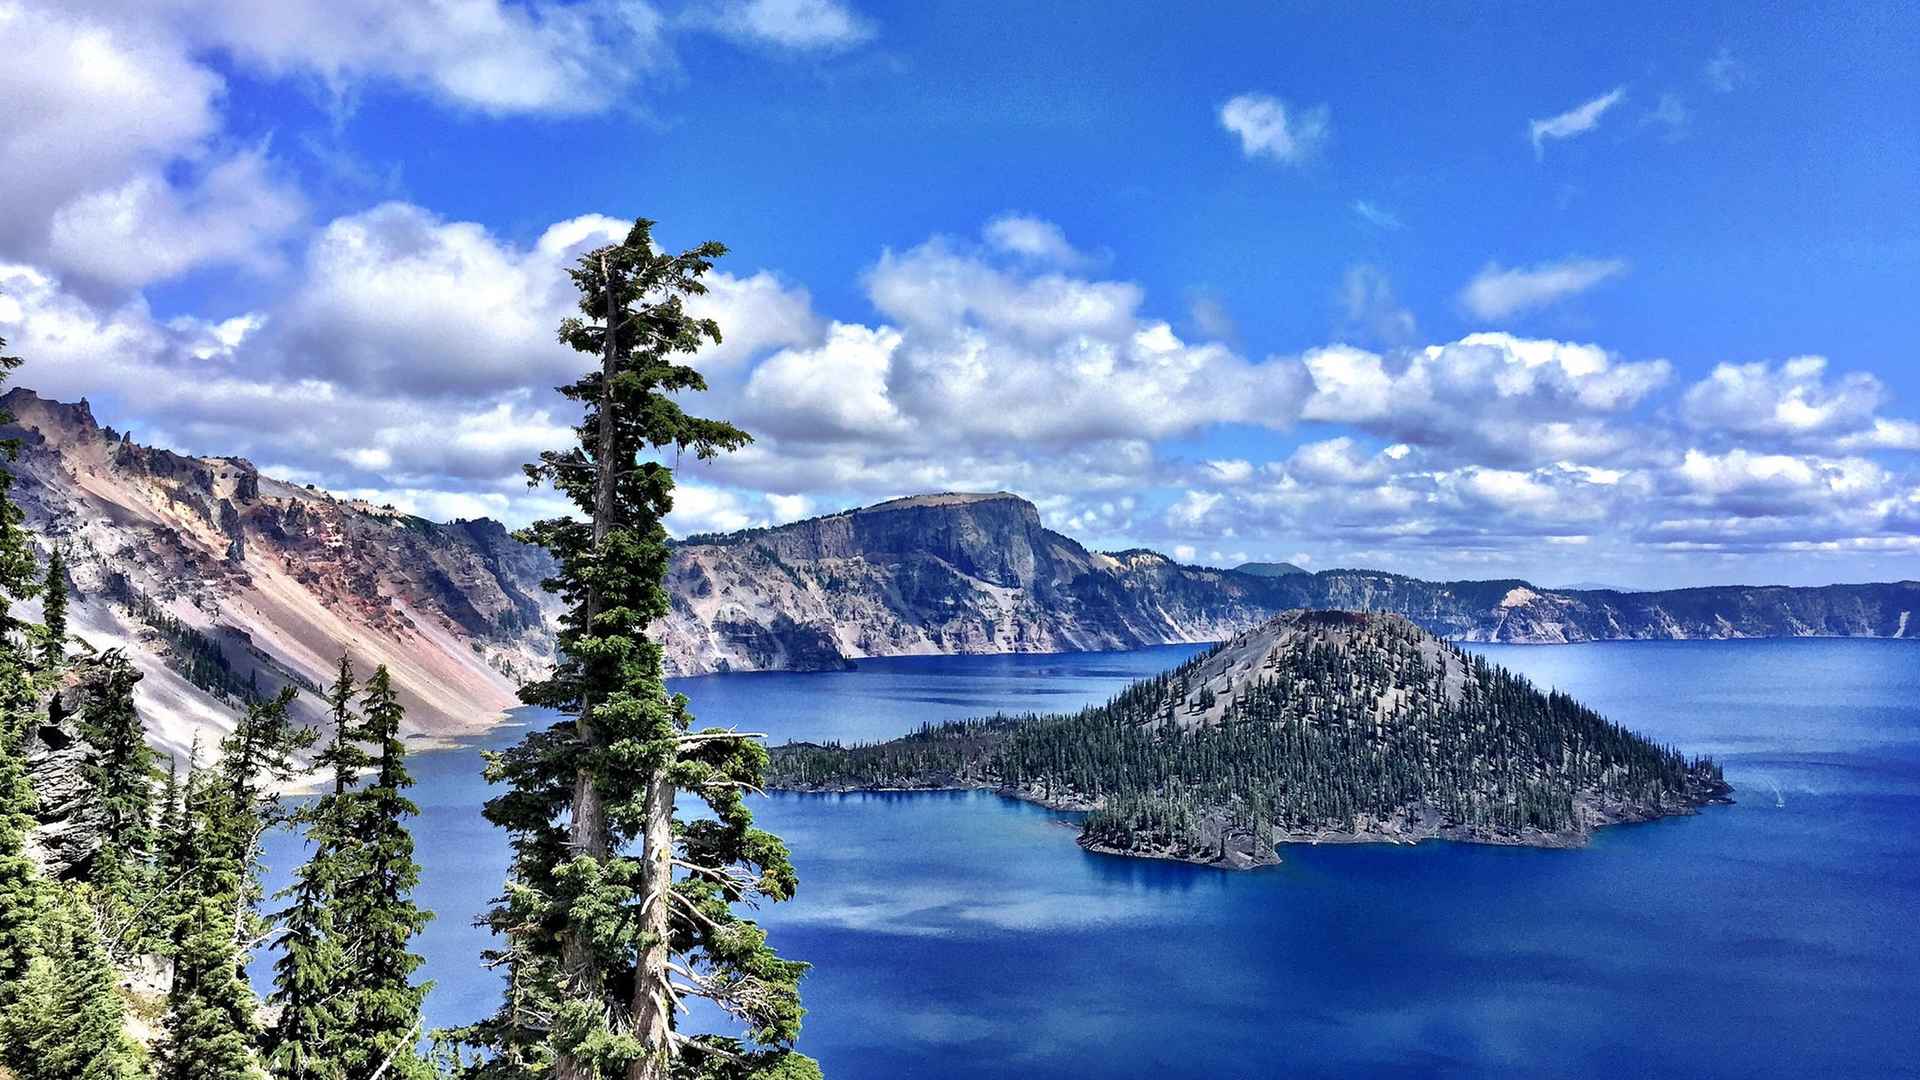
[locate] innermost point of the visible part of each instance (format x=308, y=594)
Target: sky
x=1621, y=296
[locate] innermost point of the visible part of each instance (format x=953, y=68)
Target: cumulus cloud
x=1795, y=403
x=1032, y=238
x=800, y=25
x=1497, y=292
x=492, y=56
x=1269, y=127
x=102, y=114
x=1575, y=121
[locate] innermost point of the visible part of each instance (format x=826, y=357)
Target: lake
x=966, y=935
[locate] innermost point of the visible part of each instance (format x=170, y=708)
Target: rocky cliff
x=221, y=582
x=980, y=574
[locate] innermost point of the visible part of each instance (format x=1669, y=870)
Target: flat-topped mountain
x=1270, y=569
x=223, y=583
x=1317, y=726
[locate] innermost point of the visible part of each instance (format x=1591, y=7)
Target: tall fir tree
x=212, y=1022
x=120, y=773
x=603, y=945
x=53, y=620
x=23, y=893
x=313, y=985
x=379, y=917
x=72, y=1023
x=19, y=580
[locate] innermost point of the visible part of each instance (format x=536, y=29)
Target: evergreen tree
x=120, y=773
x=72, y=1020
x=602, y=944
x=53, y=621
x=23, y=893
x=378, y=914
x=211, y=1019
x=212, y=1022
x=311, y=984
x=313, y=987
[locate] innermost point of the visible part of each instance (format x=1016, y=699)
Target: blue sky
x=1512, y=292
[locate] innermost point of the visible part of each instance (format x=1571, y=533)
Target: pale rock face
x=173, y=555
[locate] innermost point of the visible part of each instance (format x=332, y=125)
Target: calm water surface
x=965, y=935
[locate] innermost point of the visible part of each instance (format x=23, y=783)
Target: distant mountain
x=222, y=583
x=960, y=573
x=1269, y=569
x=1316, y=727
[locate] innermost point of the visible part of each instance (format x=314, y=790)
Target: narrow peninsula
x=1315, y=727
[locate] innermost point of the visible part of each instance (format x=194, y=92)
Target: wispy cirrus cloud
x=1576, y=121
x=1377, y=216
x=1498, y=292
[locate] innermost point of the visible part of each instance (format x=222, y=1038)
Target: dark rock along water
x=965, y=935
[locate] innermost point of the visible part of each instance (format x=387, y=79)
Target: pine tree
x=23, y=893
x=602, y=944
x=212, y=1024
x=313, y=986
x=211, y=1019
x=379, y=916
x=120, y=773
x=75, y=1018
x=24, y=897
x=53, y=621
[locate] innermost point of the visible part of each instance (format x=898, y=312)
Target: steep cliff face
x=931, y=574
x=221, y=582
x=980, y=574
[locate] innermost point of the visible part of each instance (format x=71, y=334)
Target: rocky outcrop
x=220, y=582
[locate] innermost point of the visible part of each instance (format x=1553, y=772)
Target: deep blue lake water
x=966, y=935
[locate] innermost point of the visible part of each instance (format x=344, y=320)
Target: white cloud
x=789, y=507
x=1724, y=72
x=1575, y=121
x=1032, y=238
x=1377, y=216
x=1671, y=115
x=1270, y=128
x=800, y=25
x=149, y=230
x=1371, y=310
x=838, y=390
x=492, y=56
x=1498, y=292
x=1230, y=470
x=1795, y=404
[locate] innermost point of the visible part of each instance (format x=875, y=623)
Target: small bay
x=966, y=935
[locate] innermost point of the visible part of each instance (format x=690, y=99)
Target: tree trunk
x=587, y=834
x=652, y=1007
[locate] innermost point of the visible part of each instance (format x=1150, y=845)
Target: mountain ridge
x=222, y=581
